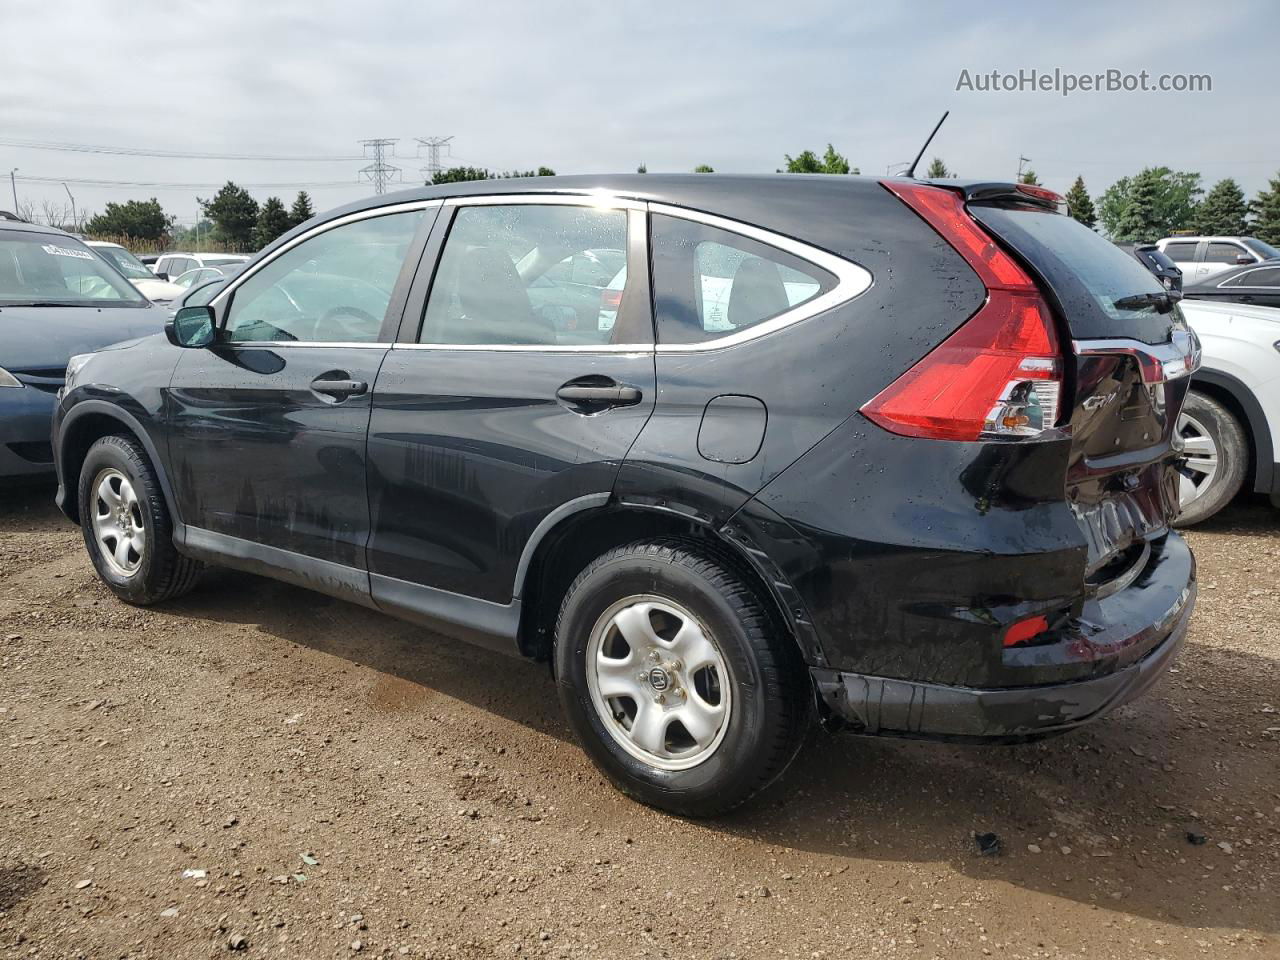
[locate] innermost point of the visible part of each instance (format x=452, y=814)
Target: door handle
x=339, y=388
x=612, y=394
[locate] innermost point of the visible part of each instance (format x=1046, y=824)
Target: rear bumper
x=909, y=708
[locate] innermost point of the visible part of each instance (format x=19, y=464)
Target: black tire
x=1229, y=438
x=769, y=709
x=162, y=573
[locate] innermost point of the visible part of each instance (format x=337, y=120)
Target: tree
x=234, y=213
x=704, y=168
x=1222, y=211
x=301, y=211
x=1266, y=210
x=1079, y=205
x=1029, y=177
x=139, y=219
x=1175, y=201
x=642, y=168
x=540, y=172
x=1139, y=221
x=807, y=162
x=937, y=170
x=273, y=221
x=459, y=174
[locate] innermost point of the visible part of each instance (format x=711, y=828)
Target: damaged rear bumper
x=910, y=708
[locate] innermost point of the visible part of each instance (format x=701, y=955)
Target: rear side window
x=1087, y=274
x=1222, y=253
x=1186, y=252
x=1263, y=277
x=709, y=283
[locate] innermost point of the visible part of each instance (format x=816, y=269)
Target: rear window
x=1086, y=273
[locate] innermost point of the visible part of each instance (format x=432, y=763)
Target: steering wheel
x=331, y=326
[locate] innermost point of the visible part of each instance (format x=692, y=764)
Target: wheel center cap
x=658, y=679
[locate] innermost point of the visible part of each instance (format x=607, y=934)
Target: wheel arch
x=564, y=548
x=1244, y=406
x=86, y=423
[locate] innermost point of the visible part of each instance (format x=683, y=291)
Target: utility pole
x=13, y=183
x=75, y=221
x=379, y=173
x=1021, y=161
x=434, y=145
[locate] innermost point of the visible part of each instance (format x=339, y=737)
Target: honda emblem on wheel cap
x=658, y=678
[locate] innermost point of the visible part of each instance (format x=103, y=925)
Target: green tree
x=540, y=172
x=808, y=162
x=1139, y=221
x=1266, y=211
x=1222, y=211
x=704, y=168
x=301, y=211
x=1176, y=193
x=460, y=174
x=140, y=219
x=1029, y=177
x=273, y=221
x=234, y=213
x=1079, y=205
x=937, y=170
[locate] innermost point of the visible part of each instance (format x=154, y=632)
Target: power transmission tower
x=380, y=173
x=1021, y=161
x=434, y=145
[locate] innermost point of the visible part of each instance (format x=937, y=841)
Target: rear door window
x=709, y=283
x=1088, y=275
x=1262, y=277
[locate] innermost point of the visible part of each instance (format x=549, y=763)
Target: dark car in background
x=1159, y=265
x=897, y=454
x=1258, y=284
x=57, y=299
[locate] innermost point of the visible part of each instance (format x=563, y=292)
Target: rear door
x=506, y=399
x=1133, y=355
x=269, y=424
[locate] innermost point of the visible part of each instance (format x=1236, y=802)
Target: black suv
x=896, y=454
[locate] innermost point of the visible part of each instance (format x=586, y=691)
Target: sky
x=591, y=87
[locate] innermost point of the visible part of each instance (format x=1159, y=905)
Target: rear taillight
x=610, y=299
x=999, y=376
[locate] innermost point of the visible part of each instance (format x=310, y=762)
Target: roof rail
x=6, y=215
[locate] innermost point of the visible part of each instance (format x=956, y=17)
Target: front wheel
x=126, y=525
x=676, y=680
x=1217, y=456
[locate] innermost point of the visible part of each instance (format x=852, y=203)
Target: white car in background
x=173, y=265
x=135, y=271
x=1230, y=424
x=1199, y=258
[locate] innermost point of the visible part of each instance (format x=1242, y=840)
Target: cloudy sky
x=592, y=87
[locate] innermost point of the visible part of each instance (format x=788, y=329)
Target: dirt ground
x=344, y=784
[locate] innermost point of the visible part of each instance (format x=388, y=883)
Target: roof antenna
x=911, y=170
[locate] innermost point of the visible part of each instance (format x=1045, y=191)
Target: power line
x=380, y=173
x=434, y=145
x=164, y=184
x=171, y=154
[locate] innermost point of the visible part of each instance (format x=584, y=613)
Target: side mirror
x=163, y=276
x=1243, y=259
x=191, y=327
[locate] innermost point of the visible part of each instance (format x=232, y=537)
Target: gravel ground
x=257, y=768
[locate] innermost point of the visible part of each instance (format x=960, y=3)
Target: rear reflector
x=999, y=376
x=1025, y=630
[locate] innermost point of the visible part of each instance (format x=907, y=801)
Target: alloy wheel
x=1202, y=459
x=117, y=522
x=658, y=682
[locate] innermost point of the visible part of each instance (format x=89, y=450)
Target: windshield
x=47, y=269
x=1265, y=250
x=126, y=262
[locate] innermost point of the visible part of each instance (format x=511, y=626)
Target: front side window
x=334, y=287
x=1222, y=253
x=530, y=275
x=52, y=269
x=709, y=283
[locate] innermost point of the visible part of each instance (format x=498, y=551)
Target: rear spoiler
x=994, y=190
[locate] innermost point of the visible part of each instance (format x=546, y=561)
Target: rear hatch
x=1129, y=355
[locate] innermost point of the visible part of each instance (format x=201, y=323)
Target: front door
x=269, y=424
x=512, y=392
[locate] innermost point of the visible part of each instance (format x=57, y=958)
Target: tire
x=1217, y=453
x=117, y=478
x=747, y=707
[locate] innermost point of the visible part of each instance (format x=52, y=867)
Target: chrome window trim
x=602, y=199
x=1247, y=286
x=340, y=344
x=318, y=229
x=852, y=280
x=635, y=348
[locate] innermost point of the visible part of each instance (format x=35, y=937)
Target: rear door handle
x=339, y=388
x=611, y=394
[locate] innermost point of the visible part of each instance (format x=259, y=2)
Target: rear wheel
x=1217, y=455
x=126, y=525
x=676, y=679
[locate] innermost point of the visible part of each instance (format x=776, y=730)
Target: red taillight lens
x=1025, y=630
x=1040, y=193
x=610, y=299
x=998, y=376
